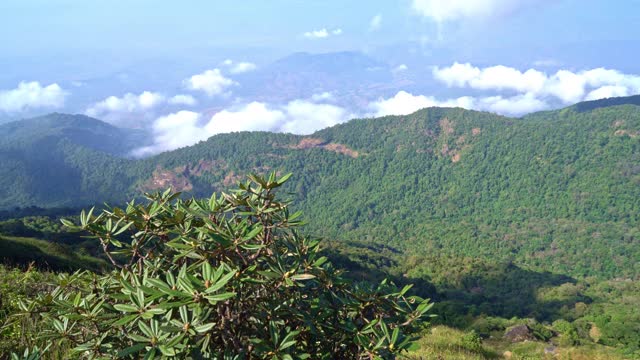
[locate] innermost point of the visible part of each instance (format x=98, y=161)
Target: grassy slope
x=442, y=342
x=44, y=254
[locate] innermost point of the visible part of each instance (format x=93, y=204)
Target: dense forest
x=501, y=221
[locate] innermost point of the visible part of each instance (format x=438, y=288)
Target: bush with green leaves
x=228, y=277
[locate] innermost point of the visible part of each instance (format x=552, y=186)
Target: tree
x=228, y=277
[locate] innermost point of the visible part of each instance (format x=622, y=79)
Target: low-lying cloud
x=564, y=85
x=404, y=103
x=186, y=128
x=32, y=95
x=114, y=108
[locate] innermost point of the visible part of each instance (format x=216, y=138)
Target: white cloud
x=304, y=117
x=607, y=91
x=128, y=103
x=400, y=68
x=324, y=96
x=211, y=82
x=317, y=34
x=565, y=85
x=183, y=100
x=404, y=103
x=452, y=10
x=186, y=128
x=172, y=132
x=255, y=116
x=322, y=33
x=515, y=105
x=32, y=95
x=242, y=67
x=298, y=116
x=375, y=23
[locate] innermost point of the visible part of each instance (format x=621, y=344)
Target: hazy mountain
x=301, y=75
x=80, y=130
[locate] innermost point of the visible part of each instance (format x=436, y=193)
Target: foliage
x=226, y=277
x=555, y=191
x=16, y=284
x=47, y=255
x=472, y=341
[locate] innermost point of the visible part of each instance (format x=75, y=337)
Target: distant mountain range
x=557, y=190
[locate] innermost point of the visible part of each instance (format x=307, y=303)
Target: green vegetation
x=47, y=255
x=503, y=222
x=224, y=278
x=555, y=191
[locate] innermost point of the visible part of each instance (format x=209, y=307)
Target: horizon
x=166, y=69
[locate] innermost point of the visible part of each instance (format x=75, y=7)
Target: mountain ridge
x=539, y=190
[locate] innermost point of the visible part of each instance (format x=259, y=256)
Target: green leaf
x=150, y=355
x=131, y=350
x=124, y=320
x=302, y=277
x=283, y=179
x=219, y=297
x=204, y=328
x=167, y=351
x=126, y=308
x=220, y=283
x=253, y=233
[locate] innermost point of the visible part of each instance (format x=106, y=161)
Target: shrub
x=228, y=277
x=472, y=341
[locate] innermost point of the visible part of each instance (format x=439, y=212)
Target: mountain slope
x=62, y=159
x=555, y=191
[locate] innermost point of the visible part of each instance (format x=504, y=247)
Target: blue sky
x=193, y=69
x=44, y=26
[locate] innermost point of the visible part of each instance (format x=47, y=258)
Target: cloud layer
x=128, y=103
x=32, y=95
x=404, y=103
x=564, y=85
x=185, y=128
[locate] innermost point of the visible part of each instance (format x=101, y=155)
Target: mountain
x=301, y=75
x=80, y=130
x=553, y=191
x=50, y=159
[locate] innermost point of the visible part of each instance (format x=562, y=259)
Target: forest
x=499, y=221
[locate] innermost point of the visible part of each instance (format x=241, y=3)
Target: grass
x=445, y=343
x=442, y=342
x=21, y=251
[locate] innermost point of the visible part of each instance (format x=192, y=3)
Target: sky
x=192, y=69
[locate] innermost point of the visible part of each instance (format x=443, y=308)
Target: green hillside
x=554, y=191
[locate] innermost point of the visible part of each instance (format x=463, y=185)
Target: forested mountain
x=555, y=190
x=62, y=159
x=502, y=221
